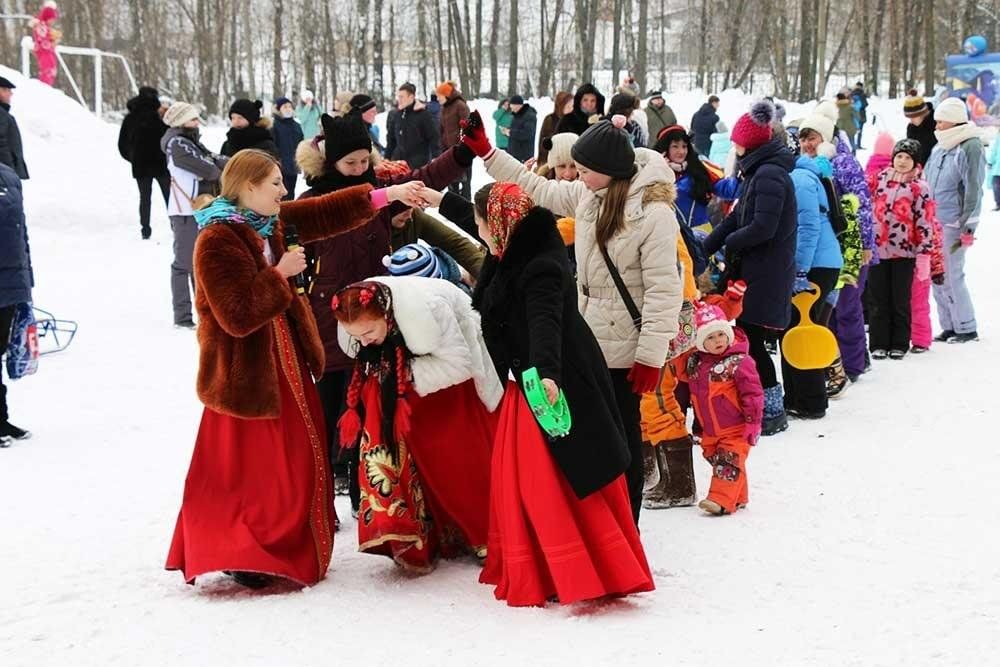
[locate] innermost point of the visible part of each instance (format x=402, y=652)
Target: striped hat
x=914, y=104
x=413, y=260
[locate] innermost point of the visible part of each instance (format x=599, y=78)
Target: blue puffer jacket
x=761, y=233
x=817, y=246
x=695, y=213
x=16, y=278
x=287, y=136
x=956, y=178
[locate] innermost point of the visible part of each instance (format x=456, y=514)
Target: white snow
x=871, y=538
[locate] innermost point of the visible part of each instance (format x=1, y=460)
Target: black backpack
x=836, y=212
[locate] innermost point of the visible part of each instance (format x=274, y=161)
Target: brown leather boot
x=677, y=485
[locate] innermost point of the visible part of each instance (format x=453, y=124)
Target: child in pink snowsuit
x=729, y=403
x=45, y=37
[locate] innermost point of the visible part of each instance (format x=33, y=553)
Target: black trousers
x=332, y=389
x=890, y=284
x=291, y=180
x=628, y=407
x=805, y=391
x=146, y=195
x=6, y=322
x=758, y=337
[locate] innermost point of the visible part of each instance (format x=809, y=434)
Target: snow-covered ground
x=870, y=539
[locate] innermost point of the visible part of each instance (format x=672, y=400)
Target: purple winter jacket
x=850, y=179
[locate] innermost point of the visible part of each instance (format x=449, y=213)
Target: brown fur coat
x=238, y=295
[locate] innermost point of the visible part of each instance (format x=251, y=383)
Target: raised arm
x=331, y=214
x=560, y=197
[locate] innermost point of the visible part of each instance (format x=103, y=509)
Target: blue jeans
x=954, y=303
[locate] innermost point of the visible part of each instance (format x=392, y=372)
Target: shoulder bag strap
x=633, y=310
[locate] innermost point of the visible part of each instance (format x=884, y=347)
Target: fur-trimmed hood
x=310, y=156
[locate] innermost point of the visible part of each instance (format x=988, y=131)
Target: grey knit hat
x=607, y=149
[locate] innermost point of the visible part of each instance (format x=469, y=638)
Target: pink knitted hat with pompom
x=753, y=129
x=709, y=319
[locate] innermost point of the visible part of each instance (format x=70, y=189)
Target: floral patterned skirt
x=433, y=499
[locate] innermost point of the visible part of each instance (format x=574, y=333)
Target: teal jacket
x=503, y=119
x=308, y=118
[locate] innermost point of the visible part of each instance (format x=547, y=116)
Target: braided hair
x=388, y=362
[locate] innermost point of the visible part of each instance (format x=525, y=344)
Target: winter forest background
x=211, y=51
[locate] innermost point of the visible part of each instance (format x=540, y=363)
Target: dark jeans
x=182, y=268
x=463, y=186
x=805, y=391
x=332, y=389
x=290, y=182
x=146, y=195
x=996, y=191
x=758, y=337
x=890, y=285
x=6, y=322
x=628, y=407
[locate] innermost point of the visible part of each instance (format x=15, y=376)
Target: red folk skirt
x=258, y=496
x=433, y=500
x=544, y=541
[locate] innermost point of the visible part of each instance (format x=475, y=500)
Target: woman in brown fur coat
x=258, y=500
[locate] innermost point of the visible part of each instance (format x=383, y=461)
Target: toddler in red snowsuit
x=729, y=403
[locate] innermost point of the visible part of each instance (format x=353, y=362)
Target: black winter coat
x=413, y=137
x=16, y=278
x=11, y=150
x=528, y=303
x=578, y=122
x=139, y=138
x=287, y=137
x=522, y=133
x=924, y=133
x=703, y=125
x=255, y=136
x=761, y=231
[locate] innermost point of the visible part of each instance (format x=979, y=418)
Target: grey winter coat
x=11, y=150
x=956, y=178
x=16, y=277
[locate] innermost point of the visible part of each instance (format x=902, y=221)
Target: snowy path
x=871, y=538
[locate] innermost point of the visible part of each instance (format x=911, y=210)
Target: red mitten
x=644, y=378
x=474, y=136
x=751, y=432
x=736, y=290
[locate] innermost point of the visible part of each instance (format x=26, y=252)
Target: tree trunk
x=930, y=64
x=441, y=76
x=876, y=45
x=494, y=65
x=422, y=37
x=703, y=39
x=478, y=66
x=641, y=59
x=616, y=62
x=512, y=68
x=392, y=45
x=821, y=37
x=378, y=91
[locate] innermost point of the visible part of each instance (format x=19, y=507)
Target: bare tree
x=512, y=65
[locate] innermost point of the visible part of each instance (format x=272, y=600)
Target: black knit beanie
x=909, y=146
x=249, y=109
x=344, y=135
x=361, y=103
x=606, y=149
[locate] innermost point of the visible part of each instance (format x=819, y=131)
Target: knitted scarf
x=948, y=139
x=225, y=210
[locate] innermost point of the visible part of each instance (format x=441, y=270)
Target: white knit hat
x=827, y=108
x=952, y=110
x=180, y=113
x=562, y=147
x=818, y=123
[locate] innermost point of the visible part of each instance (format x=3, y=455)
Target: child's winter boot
x=775, y=420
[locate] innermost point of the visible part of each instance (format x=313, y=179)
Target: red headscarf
x=506, y=207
